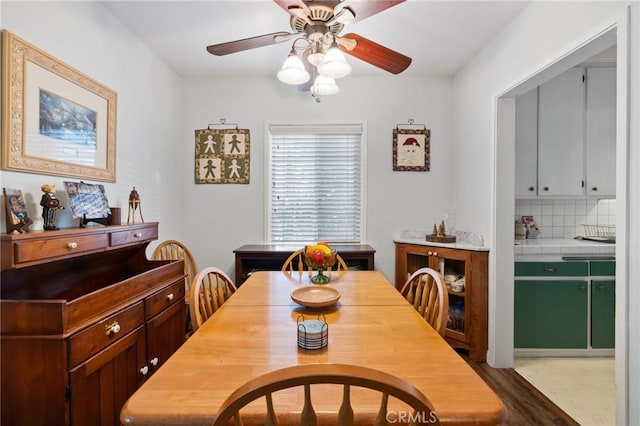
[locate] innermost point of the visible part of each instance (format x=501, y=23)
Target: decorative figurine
x=50, y=206
x=439, y=234
x=134, y=204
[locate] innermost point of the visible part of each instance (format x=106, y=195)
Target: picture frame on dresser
x=55, y=119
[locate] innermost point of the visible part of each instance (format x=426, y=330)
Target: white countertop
x=561, y=246
x=457, y=245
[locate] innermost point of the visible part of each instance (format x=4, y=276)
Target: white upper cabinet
x=565, y=136
x=561, y=130
x=601, y=132
x=526, y=144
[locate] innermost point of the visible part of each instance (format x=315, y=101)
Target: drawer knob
x=602, y=287
x=435, y=253
x=112, y=328
x=154, y=361
x=430, y=253
x=582, y=287
x=549, y=269
x=170, y=297
x=72, y=245
x=137, y=235
x=144, y=370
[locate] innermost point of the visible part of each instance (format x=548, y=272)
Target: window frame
x=268, y=177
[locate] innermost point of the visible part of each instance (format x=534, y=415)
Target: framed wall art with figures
x=222, y=156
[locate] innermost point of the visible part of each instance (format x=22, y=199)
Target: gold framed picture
x=411, y=149
x=55, y=120
x=222, y=156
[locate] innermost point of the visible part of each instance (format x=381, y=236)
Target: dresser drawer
x=134, y=236
x=46, y=249
x=84, y=344
x=551, y=269
x=161, y=300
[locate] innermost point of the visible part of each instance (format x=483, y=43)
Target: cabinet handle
x=435, y=253
x=112, y=328
x=595, y=188
x=72, y=245
x=582, y=288
x=170, y=297
x=531, y=188
x=602, y=287
x=549, y=269
x=546, y=188
x=430, y=253
x=154, y=361
x=137, y=235
x=144, y=370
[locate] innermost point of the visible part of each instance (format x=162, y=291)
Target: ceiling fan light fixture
x=335, y=64
x=345, y=15
x=324, y=86
x=317, y=53
x=293, y=70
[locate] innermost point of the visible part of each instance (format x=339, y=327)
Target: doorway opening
x=505, y=202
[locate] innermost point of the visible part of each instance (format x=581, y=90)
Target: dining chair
x=306, y=375
x=295, y=262
x=426, y=291
x=176, y=250
x=209, y=290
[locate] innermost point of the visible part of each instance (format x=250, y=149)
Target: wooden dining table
x=256, y=331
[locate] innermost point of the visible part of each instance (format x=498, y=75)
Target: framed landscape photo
x=55, y=120
x=411, y=149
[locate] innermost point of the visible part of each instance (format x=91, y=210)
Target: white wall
x=86, y=36
x=220, y=218
x=518, y=52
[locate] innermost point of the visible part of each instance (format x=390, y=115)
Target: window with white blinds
x=315, y=183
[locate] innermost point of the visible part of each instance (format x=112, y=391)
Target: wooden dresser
x=85, y=320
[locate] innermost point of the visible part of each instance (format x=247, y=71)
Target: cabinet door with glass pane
x=467, y=323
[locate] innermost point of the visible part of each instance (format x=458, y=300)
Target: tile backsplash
x=563, y=218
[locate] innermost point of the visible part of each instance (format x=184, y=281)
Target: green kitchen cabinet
x=551, y=314
x=603, y=299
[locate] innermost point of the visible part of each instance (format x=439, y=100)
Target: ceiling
x=440, y=36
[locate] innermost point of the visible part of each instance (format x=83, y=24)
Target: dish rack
x=604, y=231
x=601, y=233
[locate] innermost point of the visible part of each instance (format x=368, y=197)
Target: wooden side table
x=270, y=257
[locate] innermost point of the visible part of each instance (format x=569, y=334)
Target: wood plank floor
x=525, y=404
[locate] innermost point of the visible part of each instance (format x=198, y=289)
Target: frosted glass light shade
x=334, y=64
x=293, y=71
x=324, y=86
x=317, y=53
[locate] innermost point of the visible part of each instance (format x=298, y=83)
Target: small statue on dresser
x=50, y=206
x=134, y=204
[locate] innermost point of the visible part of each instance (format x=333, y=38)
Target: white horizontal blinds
x=316, y=185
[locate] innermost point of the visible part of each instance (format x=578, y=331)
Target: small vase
x=320, y=278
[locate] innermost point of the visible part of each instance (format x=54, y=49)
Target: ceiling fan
x=317, y=25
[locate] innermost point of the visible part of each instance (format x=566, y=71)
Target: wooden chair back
x=426, y=291
x=295, y=263
x=175, y=250
x=209, y=290
x=348, y=376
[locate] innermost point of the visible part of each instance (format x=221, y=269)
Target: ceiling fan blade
x=364, y=8
x=373, y=53
x=222, y=49
x=293, y=4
